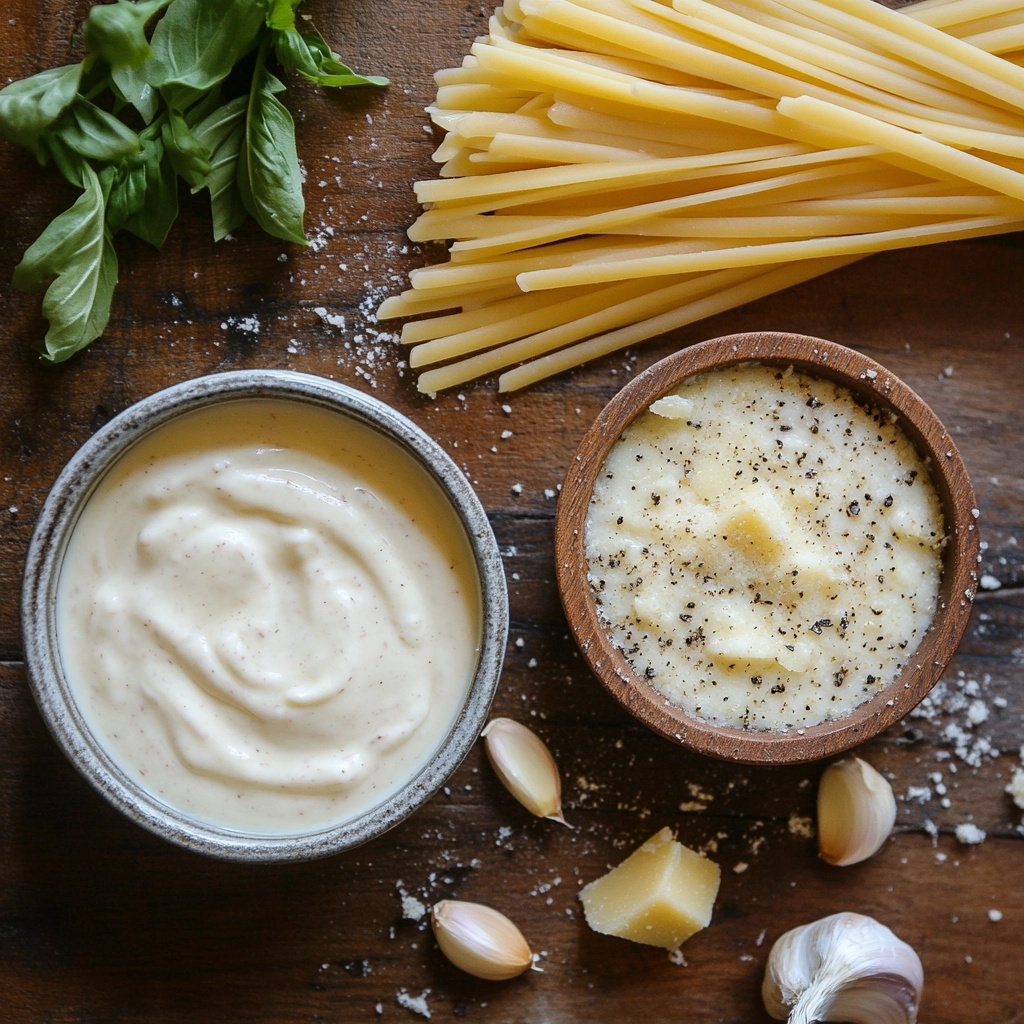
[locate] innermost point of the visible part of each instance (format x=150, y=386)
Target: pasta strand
x=612, y=170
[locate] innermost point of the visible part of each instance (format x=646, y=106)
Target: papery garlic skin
x=856, y=812
x=525, y=766
x=846, y=967
x=480, y=940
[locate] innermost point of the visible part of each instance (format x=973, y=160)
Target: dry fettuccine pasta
x=616, y=169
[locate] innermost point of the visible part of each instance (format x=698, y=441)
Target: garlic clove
x=856, y=812
x=525, y=766
x=480, y=940
x=846, y=967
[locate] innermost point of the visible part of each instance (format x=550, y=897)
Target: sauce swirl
x=269, y=615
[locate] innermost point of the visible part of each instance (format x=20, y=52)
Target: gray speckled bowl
x=53, y=694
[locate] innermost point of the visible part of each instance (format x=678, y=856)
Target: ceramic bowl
x=55, y=697
x=877, y=387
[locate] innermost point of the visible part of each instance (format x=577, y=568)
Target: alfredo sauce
x=269, y=615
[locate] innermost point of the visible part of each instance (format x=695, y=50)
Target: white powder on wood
x=1016, y=787
x=418, y=1004
x=969, y=834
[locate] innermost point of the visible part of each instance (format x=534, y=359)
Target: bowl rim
x=865, y=378
x=48, y=544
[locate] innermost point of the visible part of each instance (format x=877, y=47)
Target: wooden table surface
x=100, y=922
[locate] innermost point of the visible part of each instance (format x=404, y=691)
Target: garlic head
x=480, y=940
x=525, y=766
x=856, y=811
x=846, y=967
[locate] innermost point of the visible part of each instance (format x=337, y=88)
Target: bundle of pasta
x=615, y=169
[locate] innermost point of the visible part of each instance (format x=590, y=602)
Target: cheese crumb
x=412, y=908
x=799, y=826
x=1016, y=787
x=969, y=835
x=418, y=1004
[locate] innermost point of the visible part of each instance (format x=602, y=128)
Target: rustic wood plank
x=101, y=922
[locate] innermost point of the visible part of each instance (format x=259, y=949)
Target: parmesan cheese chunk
x=756, y=527
x=673, y=407
x=660, y=895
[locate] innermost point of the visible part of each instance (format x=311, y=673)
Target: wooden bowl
x=865, y=379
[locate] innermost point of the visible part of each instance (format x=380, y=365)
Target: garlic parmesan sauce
x=269, y=615
x=765, y=550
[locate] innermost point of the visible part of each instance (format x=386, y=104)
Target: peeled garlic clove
x=525, y=766
x=847, y=967
x=856, y=812
x=480, y=940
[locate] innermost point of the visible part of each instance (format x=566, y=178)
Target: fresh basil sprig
x=158, y=99
x=76, y=255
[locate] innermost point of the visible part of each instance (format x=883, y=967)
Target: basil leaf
x=201, y=109
x=309, y=54
x=191, y=159
x=243, y=150
x=269, y=178
x=198, y=42
x=117, y=31
x=95, y=134
x=282, y=13
x=125, y=186
x=75, y=251
x=143, y=193
x=130, y=86
x=70, y=164
x=222, y=133
x=29, y=106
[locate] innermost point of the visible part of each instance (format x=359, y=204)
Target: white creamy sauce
x=269, y=615
x=765, y=550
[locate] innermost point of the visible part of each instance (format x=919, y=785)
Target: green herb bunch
x=169, y=89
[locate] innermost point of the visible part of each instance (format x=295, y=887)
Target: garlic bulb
x=847, y=967
x=480, y=940
x=525, y=766
x=856, y=811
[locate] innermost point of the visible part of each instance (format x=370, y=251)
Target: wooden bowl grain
x=874, y=384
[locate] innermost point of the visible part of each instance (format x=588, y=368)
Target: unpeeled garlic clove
x=847, y=967
x=480, y=940
x=525, y=766
x=856, y=812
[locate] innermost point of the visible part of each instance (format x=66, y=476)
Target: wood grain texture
x=100, y=923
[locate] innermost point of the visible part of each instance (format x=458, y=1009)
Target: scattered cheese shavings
x=244, y=324
x=333, y=319
x=969, y=835
x=412, y=908
x=799, y=826
x=1016, y=787
x=418, y=1004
